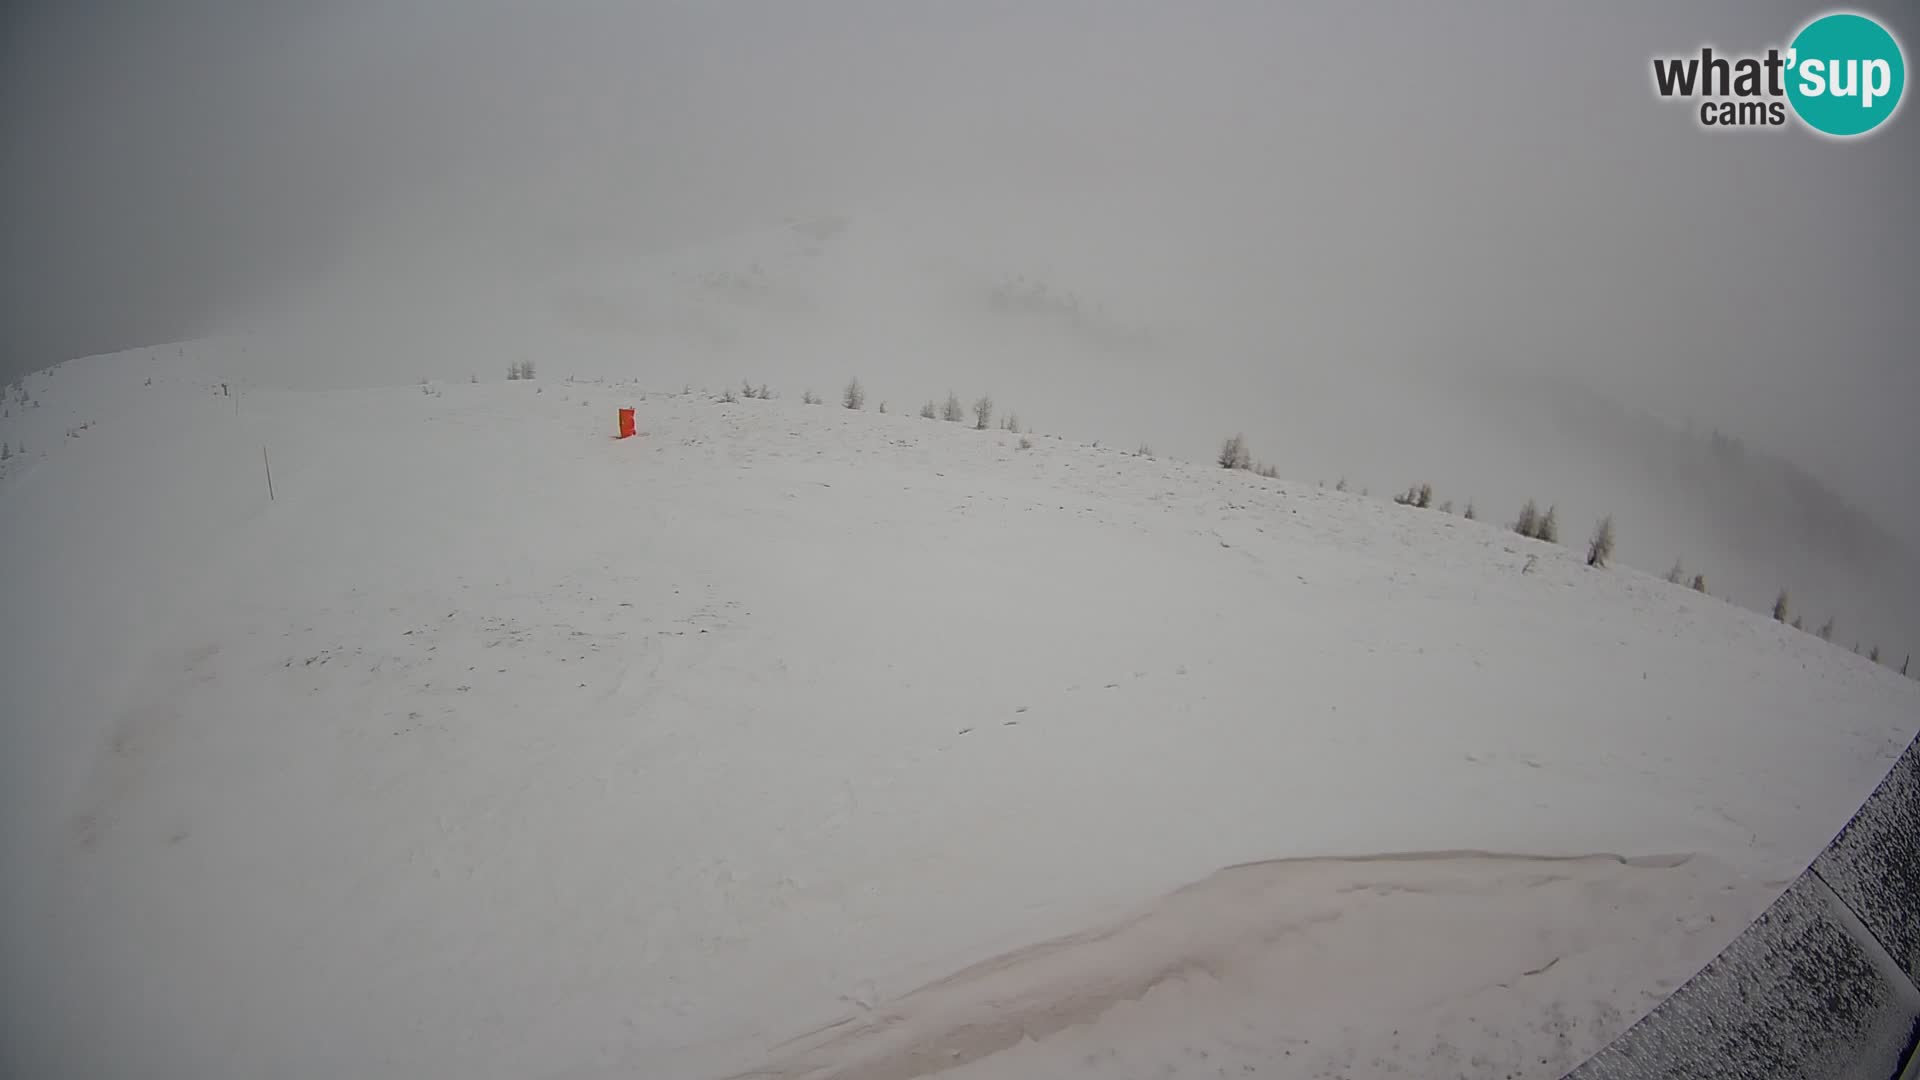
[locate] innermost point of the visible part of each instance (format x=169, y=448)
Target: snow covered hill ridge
x=1148, y=333
x=795, y=741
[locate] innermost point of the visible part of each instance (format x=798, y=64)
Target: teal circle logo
x=1845, y=74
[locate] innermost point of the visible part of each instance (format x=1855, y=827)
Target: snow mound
x=1331, y=962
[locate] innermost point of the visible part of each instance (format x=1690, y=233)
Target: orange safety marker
x=626, y=424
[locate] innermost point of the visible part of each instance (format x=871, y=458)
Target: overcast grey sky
x=1437, y=184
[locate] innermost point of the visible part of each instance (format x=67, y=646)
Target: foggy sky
x=1439, y=186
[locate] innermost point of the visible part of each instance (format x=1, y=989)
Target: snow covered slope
x=1095, y=332
x=791, y=741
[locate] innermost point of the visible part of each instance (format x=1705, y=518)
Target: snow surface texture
x=1821, y=985
x=789, y=741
